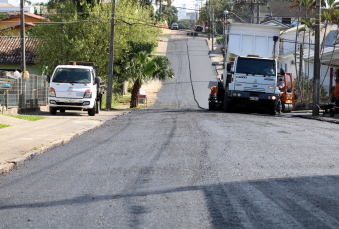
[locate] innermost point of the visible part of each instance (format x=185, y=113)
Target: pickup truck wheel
x=97, y=106
x=92, y=111
x=62, y=111
x=52, y=110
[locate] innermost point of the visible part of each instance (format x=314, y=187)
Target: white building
x=182, y=11
x=13, y=7
x=291, y=64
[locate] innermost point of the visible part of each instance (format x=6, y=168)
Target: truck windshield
x=255, y=66
x=72, y=75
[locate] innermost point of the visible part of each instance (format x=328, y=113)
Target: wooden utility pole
x=23, y=51
x=212, y=26
x=316, y=77
x=301, y=78
x=22, y=31
x=110, y=61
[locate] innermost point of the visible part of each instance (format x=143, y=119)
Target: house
x=280, y=11
x=13, y=22
x=13, y=7
x=289, y=58
x=10, y=53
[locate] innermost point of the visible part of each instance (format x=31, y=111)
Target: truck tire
x=227, y=105
x=211, y=106
x=97, y=106
x=272, y=109
x=52, y=110
x=92, y=111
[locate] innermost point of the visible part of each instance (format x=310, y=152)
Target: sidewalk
x=23, y=139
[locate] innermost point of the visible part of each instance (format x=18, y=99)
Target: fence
x=24, y=93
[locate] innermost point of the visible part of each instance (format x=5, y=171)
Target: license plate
x=254, y=98
x=69, y=101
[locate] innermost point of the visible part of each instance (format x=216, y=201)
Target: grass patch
x=27, y=117
x=118, y=100
x=3, y=126
x=219, y=40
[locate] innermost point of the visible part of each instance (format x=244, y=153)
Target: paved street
x=179, y=165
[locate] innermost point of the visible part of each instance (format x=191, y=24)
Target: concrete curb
x=11, y=164
x=334, y=121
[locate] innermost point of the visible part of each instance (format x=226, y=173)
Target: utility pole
x=316, y=77
x=209, y=19
x=110, y=61
x=212, y=26
x=23, y=51
x=301, y=52
x=258, y=10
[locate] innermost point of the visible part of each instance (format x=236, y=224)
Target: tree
x=171, y=15
x=144, y=67
x=186, y=24
x=88, y=40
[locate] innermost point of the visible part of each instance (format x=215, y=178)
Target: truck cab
x=74, y=87
x=252, y=83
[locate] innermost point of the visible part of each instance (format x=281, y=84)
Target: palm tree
x=144, y=67
x=159, y=2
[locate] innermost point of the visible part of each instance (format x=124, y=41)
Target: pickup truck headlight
x=51, y=92
x=88, y=93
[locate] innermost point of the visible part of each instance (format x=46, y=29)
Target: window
x=256, y=66
x=285, y=20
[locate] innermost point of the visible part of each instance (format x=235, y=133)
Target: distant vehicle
x=174, y=26
x=198, y=28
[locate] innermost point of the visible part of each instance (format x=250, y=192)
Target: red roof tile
x=10, y=49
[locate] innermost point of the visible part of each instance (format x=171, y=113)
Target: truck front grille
x=69, y=104
x=254, y=89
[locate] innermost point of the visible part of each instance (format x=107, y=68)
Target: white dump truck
x=250, y=73
x=75, y=87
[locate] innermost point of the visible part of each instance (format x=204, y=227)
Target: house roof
x=37, y=17
x=10, y=49
x=277, y=23
x=326, y=53
x=5, y=4
x=282, y=9
x=332, y=64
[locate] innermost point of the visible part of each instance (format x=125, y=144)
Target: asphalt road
x=180, y=166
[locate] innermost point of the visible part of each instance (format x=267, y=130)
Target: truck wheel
x=227, y=106
x=92, y=111
x=211, y=106
x=272, y=109
x=283, y=107
x=62, y=110
x=97, y=106
x=52, y=110
x=332, y=112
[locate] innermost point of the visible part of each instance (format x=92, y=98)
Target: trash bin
x=142, y=96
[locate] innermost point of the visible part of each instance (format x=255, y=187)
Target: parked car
x=174, y=26
x=198, y=28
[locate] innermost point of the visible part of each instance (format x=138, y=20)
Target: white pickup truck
x=75, y=87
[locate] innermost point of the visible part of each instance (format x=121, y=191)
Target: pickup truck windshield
x=71, y=75
x=256, y=66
